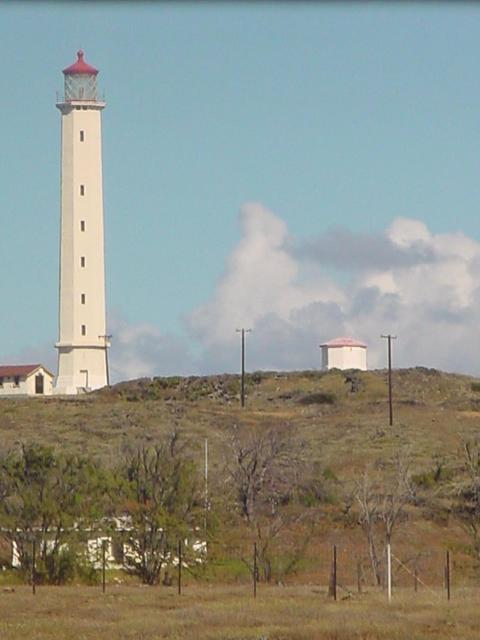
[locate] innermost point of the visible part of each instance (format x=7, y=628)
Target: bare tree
x=367, y=501
x=381, y=505
x=467, y=489
x=264, y=470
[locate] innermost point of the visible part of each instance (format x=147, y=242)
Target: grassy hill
x=341, y=417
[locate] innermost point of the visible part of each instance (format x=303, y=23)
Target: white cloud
x=409, y=281
x=261, y=277
x=406, y=233
x=427, y=294
x=143, y=350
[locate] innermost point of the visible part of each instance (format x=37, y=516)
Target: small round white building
x=344, y=353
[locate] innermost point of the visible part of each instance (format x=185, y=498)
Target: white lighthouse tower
x=83, y=343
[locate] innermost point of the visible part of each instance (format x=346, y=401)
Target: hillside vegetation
x=342, y=415
x=339, y=422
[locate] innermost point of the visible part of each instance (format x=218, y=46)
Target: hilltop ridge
x=344, y=407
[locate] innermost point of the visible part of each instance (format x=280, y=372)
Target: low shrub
x=322, y=397
x=170, y=382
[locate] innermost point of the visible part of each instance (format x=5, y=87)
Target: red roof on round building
x=344, y=341
x=80, y=67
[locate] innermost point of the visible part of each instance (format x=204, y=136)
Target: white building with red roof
x=25, y=380
x=344, y=353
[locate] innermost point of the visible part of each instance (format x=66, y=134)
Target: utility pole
x=106, y=339
x=243, y=332
x=390, y=402
x=206, y=489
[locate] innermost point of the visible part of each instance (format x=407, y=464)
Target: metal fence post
x=334, y=572
x=104, y=546
x=447, y=574
x=389, y=572
x=254, y=569
x=34, y=567
x=179, y=567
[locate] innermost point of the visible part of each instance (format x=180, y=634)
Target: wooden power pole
x=242, y=393
x=389, y=338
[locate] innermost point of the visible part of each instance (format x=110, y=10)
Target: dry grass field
x=226, y=612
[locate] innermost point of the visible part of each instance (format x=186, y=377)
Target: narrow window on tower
x=82, y=189
x=82, y=261
x=82, y=225
x=82, y=136
x=83, y=297
x=84, y=330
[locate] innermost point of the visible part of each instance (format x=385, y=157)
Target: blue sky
x=330, y=116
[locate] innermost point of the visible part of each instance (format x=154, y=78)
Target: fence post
x=104, y=545
x=179, y=567
x=254, y=569
x=333, y=576
x=447, y=574
x=359, y=576
x=415, y=579
x=34, y=567
x=389, y=572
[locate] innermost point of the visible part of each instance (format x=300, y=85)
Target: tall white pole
x=389, y=572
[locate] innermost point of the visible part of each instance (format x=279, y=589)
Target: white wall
x=344, y=358
x=81, y=166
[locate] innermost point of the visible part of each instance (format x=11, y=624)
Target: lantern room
x=80, y=81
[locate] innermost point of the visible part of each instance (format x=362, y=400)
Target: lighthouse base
x=80, y=369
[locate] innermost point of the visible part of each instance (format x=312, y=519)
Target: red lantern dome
x=80, y=67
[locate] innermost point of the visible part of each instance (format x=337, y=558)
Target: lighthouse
x=83, y=342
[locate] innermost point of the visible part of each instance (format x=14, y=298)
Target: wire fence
x=334, y=570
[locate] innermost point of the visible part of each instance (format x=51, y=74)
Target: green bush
x=254, y=378
x=428, y=479
x=170, y=382
x=329, y=474
x=63, y=567
x=87, y=574
x=318, y=398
